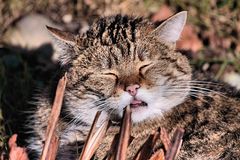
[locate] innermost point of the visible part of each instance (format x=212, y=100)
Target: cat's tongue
x=136, y=102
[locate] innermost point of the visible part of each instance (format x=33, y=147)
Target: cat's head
x=124, y=61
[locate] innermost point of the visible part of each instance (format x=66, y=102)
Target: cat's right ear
x=170, y=30
x=64, y=43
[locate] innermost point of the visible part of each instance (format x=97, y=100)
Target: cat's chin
x=137, y=115
x=140, y=113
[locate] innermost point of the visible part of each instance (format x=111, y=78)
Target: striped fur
x=114, y=53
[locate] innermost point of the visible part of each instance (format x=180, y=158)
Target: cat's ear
x=64, y=43
x=170, y=30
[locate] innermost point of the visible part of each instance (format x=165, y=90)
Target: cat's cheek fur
x=157, y=103
x=140, y=114
x=82, y=109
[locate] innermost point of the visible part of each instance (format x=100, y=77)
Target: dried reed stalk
x=51, y=143
x=146, y=149
x=171, y=154
x=94, y=138
x=111, y=153
x=165, y=138
x=124, y=137
x=171, y=148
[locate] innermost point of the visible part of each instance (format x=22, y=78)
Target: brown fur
x=119, y=51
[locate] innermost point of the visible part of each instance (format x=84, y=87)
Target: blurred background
x=211, y=40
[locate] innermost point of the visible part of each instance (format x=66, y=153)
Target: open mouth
x=137, y=103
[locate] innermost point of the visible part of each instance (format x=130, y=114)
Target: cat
x=122, y=61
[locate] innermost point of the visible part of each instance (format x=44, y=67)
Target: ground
x=210, y=40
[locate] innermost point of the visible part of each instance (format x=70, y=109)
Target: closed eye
x=144, y=67
x=112, y=74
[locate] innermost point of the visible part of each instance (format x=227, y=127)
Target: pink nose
x=132, y=89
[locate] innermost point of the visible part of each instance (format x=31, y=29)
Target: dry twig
x=94, y=138
x=111, y=153
x=51, y=143
x=165, y=138
x=125, y=132
x=171, y=154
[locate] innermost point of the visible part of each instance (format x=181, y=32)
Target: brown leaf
x=163, y=13
x=16, y=153
x=189, y=40
x=159, y=155
x=238, y=48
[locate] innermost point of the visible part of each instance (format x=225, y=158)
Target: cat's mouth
x=135, y=103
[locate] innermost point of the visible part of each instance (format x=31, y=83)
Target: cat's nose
x=132, y=89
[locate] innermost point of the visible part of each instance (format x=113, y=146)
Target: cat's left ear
x=64, y=44
x=170, y=30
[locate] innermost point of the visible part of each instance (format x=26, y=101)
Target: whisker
x=199, y=81
x=196, y=88
x=112, y=110
x=179, y=90
x=196, y=95
x=89, y=105
x=186, y=83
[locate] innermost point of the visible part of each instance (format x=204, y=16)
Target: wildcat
x=124, y=61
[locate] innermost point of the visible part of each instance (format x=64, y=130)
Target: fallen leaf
x=163, y=13
x=232, y=78
x=189, y=40
x=159, y=155
x=16, y=153
x=238, y=48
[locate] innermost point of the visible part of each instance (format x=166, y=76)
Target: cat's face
x=144, y=73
